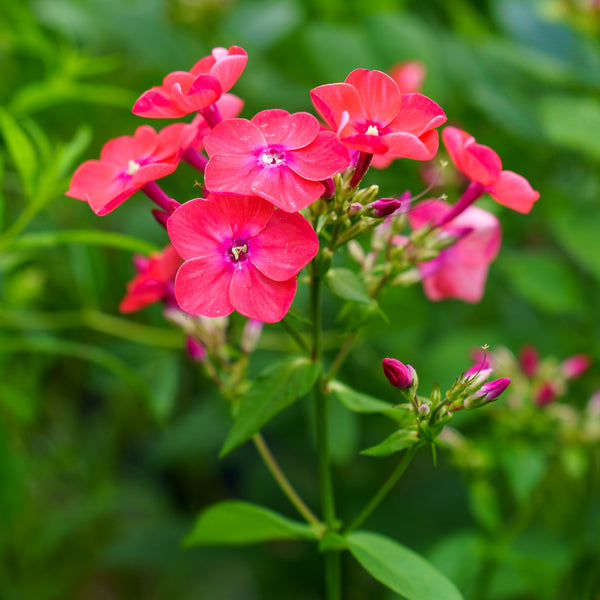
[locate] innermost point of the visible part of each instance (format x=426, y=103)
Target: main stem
x=332, y=557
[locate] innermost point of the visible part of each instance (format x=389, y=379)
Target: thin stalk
x=332, y=558
x=295, y=335
x=383, y=491
x=283, y=482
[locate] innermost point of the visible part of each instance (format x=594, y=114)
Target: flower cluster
x=243, y=242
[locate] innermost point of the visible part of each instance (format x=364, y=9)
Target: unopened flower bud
x=574, y=366
x=529, y=360
x=397, y=373
x=492, y=389
x=367, y=195
x=251, y=335
x=423, y=410
x=385, y=206
x=546, y=394
x=195, y=349
x=355, y=208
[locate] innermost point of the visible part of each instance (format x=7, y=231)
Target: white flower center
x=372, y=130
x=271, y=156
x=132, y=167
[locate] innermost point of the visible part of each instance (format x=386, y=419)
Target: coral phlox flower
x=240, y=254
x=184, y=92
x=370, y=114
x=278, y=156
x=154, y=280
x=409, y=75
x=127, y=164
x=482, y=165
x=459, y=271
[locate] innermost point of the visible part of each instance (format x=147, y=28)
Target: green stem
x=295, y=335
x=383, y=491
x=332, y=558
x=284, y=484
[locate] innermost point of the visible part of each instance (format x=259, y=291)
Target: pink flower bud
x=574, y=366
x=385, y=206
x=195, y=349
x=529, y=360
x=546, y=394
x=251, y=335
x=492, y=389
x=397, y=373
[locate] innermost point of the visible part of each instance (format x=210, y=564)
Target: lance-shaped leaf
x=234, y=523
x=274, y=389
x=344, y=284
x=399, y=568
x=400, y=439
x=363, y=403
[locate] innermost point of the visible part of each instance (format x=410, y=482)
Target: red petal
x=199, y=228
x=233, y=174
x=407, y=145
x=320, y=160
x=514, y=191
x=234, y=136
x=285, y=189
x=202, y=286
x=418, y=114
x=258, y=297
x=284, y=246
x=228, y=69
x=332, y=100
x=291, y=131
x=379, y=95
x=246, y=215
x=156, y=103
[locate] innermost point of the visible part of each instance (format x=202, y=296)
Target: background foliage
x=109, y=435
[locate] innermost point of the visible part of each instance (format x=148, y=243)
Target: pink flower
x=409, y=75
x=240, y=254
x=575, y=366
x=459, y=271
x=154, y=280
x=529, y=360
x=184, y=92
x=126, y=165
x=278, y=156
x=368, y=113
x=397, y=373
x=482, y=165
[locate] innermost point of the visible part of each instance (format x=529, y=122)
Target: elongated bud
x=575, y=366
x=487, y=393
x=546, y=394
x=384, y=206
x=397, y=373
x=529, y=360
x=251, y=335
x=195, y=349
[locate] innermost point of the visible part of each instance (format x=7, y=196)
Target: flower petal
x=234, y=136
x=321, y=159
x=258, y=297
x=232, y=174
x=199, y=228
x=407, y=145
x=246, y=215
x=202, y=286
x=514, y=191
x=285, y=189
x=284, y=246
x=332, y=100
x=379, y=95
x=291, y=131
x=418, y=114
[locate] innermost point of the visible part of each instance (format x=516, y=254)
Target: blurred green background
x=109, y=435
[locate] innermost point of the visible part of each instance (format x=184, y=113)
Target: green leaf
x=93, y=237
x=484, y=504
x=234, y=523
x=21, y=151
x=399, y=568
x=344, y=284
x=363, y=403
x=274, y=389
x=572, y=122
x=400, y=439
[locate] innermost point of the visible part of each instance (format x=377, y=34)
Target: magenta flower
x=574, y=366
x=483, y=166
x=459, y=271
x=184, y=92
x=127, y=164
x=278, y=156
x=153, y=281
x=369, y=113
x=529, y=360
x=240, y=254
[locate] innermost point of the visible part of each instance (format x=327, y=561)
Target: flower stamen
x=132, y=167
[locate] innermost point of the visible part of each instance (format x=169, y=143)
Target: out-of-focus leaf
x=399, y=440
x=572, y=122
x=11, y=482
x=544, y=280
x=274, y=389
x=484, y=504
x=93, y=237
x=234, y=523
x=1, y=192
x=345, y=284
x=524, y=466
x=70, y=152
x=21, y=151
x=343, y=433
x=163, y=379
x=399, y=568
